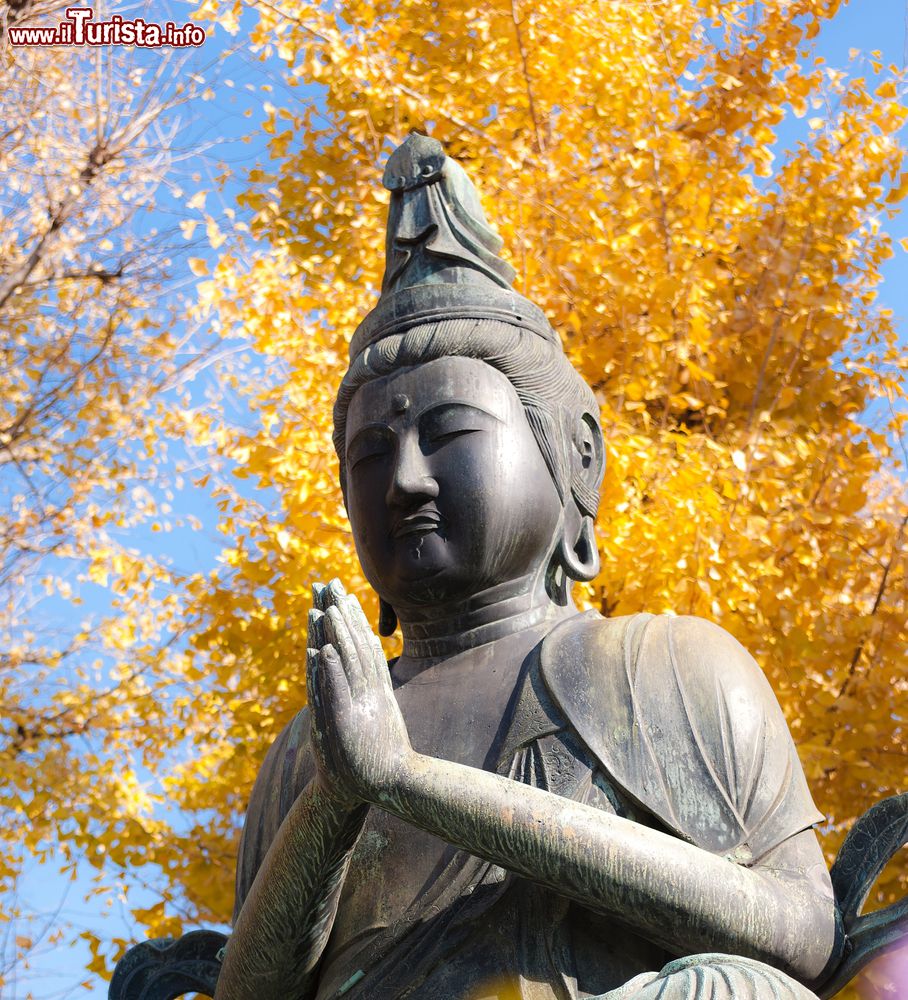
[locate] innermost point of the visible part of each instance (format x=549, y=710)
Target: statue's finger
x=373, y=652
x=319, y=725
x=316, y=629
x=339, y=635
x=380, y=660
x=333, y=685
x=356, y=610
x=311, y=679
x=360, y=629
x=319, y=596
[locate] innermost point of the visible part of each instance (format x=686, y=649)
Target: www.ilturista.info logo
x=79, y=28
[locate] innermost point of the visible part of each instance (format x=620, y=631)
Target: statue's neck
x=434, y=633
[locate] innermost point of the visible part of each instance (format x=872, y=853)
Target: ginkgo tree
x=92, y=370
x=717, y=289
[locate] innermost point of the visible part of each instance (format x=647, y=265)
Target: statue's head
x=470, y=449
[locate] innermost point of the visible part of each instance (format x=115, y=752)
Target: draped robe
x=666, y=721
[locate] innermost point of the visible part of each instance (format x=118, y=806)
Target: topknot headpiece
x=441, y=256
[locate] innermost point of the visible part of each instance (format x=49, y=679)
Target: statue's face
x=447, y=491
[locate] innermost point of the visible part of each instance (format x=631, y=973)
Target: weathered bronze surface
x=532, y=803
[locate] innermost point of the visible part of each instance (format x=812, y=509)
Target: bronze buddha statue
x=532, y=802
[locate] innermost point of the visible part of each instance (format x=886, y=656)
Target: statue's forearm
x=675, y=894
x=285, y=921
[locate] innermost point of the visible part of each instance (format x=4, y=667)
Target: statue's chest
x=461, y=715
x=459, y=710
x=460, y=722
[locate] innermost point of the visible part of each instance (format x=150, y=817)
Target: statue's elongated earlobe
x=387, y=618
x=580, y=557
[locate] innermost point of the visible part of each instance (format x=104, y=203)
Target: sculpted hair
x=556, y=399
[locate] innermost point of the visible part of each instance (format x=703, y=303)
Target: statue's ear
x=589, y=460
x=579, y=552
x=387, y=618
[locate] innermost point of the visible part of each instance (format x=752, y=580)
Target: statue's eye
x=369, y=443
x=441, y=423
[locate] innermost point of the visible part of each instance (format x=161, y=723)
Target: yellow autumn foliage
x=92, y=383
x=717, y=291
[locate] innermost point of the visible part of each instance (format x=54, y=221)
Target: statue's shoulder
x=678, y=713
x=588, y=649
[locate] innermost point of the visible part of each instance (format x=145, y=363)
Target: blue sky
x=219, y=124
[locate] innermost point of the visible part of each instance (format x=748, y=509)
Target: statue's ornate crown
x=441, y=255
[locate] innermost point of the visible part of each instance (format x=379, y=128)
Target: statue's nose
x=412, y=478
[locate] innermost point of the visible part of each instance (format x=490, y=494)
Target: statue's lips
x=419, y=523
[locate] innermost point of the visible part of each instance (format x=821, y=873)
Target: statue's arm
x=676, y=894
x=287, y=916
